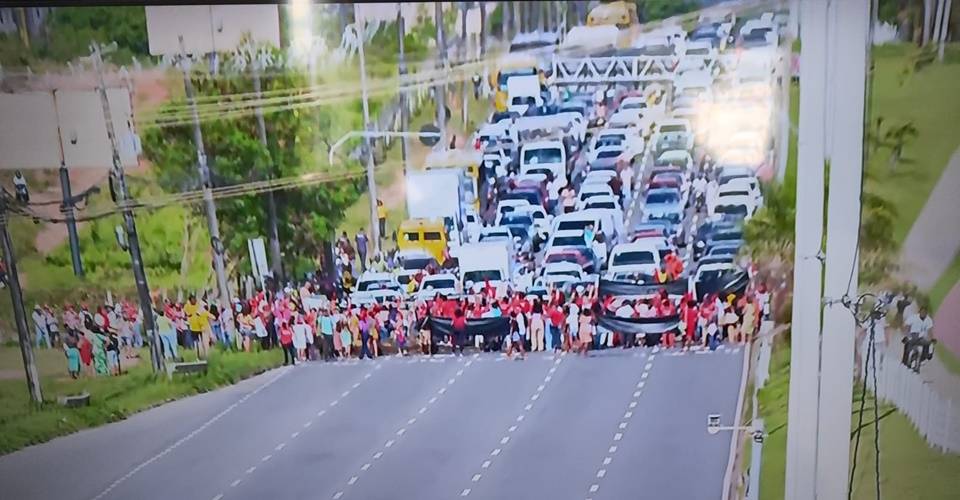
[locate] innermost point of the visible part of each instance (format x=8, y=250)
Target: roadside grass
x=928, y=99
x=908, y=467
x=947, y=280
x=111, y=398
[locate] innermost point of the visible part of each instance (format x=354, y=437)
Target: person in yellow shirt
x=382, y=218
x=198, y=320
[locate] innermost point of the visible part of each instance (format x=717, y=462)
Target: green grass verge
x=947, y=280
x=112, y=398
x=928, y=99
x=908, y=467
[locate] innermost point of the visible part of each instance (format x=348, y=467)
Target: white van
x=552, y=155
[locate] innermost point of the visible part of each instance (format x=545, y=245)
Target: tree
x=307, y=215
x=73, y=28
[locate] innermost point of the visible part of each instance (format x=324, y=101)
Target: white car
x=677, y=157
x=444, y=284
x=598, y=177
x=541, y=219
x=636, y=119
x=748, y=184
x=507, y=206
x=561, y=273
x=588, y=191
x=602, y=202
x=641, y=257
x=629, y=139
x=675, y=129
x=732, y=198
x=653, y=112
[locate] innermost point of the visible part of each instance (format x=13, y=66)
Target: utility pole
x=276, y=260
x=19, y=310
x=67, y=205
x=464, y=50
x=371, y=180
x=851, y=44
x=945, y=25
x=517, y=18
x=69, y=213
x=404, y=97
x=213, y=224
x=506, y=21
x=483, y=28
x=808, y=266
x=441, y=87
x=133, y=241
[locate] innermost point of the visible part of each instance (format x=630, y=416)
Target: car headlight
x=700, y=244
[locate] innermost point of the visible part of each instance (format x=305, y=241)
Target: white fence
x=934, y=416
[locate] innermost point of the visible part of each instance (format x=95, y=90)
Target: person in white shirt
x=918, y=326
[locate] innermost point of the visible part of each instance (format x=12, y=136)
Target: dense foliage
x=307, y=215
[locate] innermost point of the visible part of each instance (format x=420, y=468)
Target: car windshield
x=734, y=193
x=440, y=283
x=575, y=225
x=728, y=236
x=416, y=262
x=543, y=155
x=602, y=204
x=740, y=210
x=481, y=276
x=366, y=286
x=756, y=37
x=634, y=257
x=672, y=128
x=728, y=250
x=662, y=198
x=568, y=241
x=495, y=236
x=613, y=153
x=518, y=231
x=530, y=196
x=673, y=217
x=702, y=51
x=516, y=220
x=610, y=140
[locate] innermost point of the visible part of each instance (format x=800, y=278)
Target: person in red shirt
x=688, y=315
x=286, y=343
x=556, y=324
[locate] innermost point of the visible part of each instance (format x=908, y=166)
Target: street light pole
x=371, y=180
x=441, y=88
x=211, y=208
x=133, y=241
x=404, y=97
x=19, y=310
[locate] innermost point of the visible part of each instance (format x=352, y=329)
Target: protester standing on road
x=537, y=326
x=585, y=331
x=459, y=332
x=516, y=340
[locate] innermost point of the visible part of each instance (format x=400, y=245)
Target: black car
x=718, y=237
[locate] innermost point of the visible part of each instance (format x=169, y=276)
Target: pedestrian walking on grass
x=382, y=218
x=362, y=241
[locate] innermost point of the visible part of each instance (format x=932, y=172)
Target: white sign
x=83, y=128
x=209, y=28
x=258, y=259
x=28, y=131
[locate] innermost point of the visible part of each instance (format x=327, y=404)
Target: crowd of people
x=308, y=324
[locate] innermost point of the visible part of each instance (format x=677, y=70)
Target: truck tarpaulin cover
x=639, y=326
x=625, y=288
x=733, y=281
x=499, y=327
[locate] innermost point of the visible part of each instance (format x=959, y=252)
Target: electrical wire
x=197, y=196
x=876, y=422
x=863, y=403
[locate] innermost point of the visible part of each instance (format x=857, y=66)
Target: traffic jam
x=615, y=173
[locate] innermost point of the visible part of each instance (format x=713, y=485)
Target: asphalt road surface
x=618, y=424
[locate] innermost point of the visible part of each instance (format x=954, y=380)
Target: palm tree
x=897, y=138
x=770, y=232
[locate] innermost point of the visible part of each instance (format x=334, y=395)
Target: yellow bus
x=620, y=14
x=422, y=234
x=467, y=159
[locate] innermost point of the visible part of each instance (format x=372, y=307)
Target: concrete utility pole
x=945, y=25
x=938, y=21
x=518, y=16
x=506, y=20
x=441, y=87
x=927, y=19
x=483, y=28
x=276, y=259
x=133, y=241
x=213, y=225
x=805, y=338
x=851, y=44
x=69, y=213
x=464, y=50
x=404, y=97
x=19, y=309
x=371, y=180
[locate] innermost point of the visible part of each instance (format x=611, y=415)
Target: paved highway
x=619, y=424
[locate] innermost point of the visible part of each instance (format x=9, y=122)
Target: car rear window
x=432, y=236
